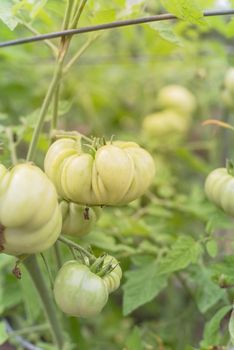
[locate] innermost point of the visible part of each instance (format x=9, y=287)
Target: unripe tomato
x=227, y=99
x=78, y=291
x=178, y=98
x=30, y=216
x=229, y=80
x=116, y=174
x=74, y=221
x=219, y=188
x=112, y=279
x=165, y=124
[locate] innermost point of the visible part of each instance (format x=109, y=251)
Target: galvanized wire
x=116, y=24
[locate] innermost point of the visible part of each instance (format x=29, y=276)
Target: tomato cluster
x=36, y=207
x=176, y=105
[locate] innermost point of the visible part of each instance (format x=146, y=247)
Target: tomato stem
x=58, y=256
x=53, y=87
x=72, y=244
x=12, y=146
x=47, y=301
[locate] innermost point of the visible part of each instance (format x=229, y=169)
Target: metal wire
x=117, y=24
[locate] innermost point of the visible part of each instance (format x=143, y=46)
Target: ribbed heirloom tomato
x=74, y=221
x=78, y=291
x=166, y=123
x=176, y=97
x=30, y=216
x=219, y=188
x=116, y=174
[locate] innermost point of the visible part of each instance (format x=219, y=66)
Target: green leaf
x=105, y=242
x=212, y=248
x=6, y=14
x=9, y=292
x=3, y=333
x=223, y=272
x=211, y=333
x=134, y=341
x=184, y=252
x=165, y=31
x=142, y=286
x=104, y=16
x=218, y=220
x=185, y=9
x=207, y=293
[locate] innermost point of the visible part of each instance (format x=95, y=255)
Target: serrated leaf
x=165, y=31
x=185, y=9
x=224, y=271
x=6, y=14
x=218, y=220
x=211, y=333
x=183, y=252
x=3, y=333
x=142, y=286
x=134, y=341
x=212, y=248
x=207, y=293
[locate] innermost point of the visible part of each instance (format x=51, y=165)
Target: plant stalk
x=12, y=147
x=47, y=301
x=43, y=111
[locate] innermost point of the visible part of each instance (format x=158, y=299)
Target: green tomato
x=112, y=279
x=178, y=98
x=219, y=188
x=78, y=291
x=229, y=81
x=165, y=124
x=116, y=174
x=30, y=216
x=74, y=221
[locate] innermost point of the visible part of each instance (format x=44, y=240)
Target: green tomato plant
x=155, y=226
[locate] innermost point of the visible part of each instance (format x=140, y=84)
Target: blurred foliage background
x=175, y=248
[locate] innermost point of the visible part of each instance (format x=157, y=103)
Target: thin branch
x=48, y=270
x=75, y=58
x=47, y=42
x=58, y=256
x=117, y=24
x=78, y=13
x=12, y=146
x=67, y=14
x=72, y=244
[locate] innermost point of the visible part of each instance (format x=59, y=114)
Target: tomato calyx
x=100, y=268
x=230, y=167
x=96, y=143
